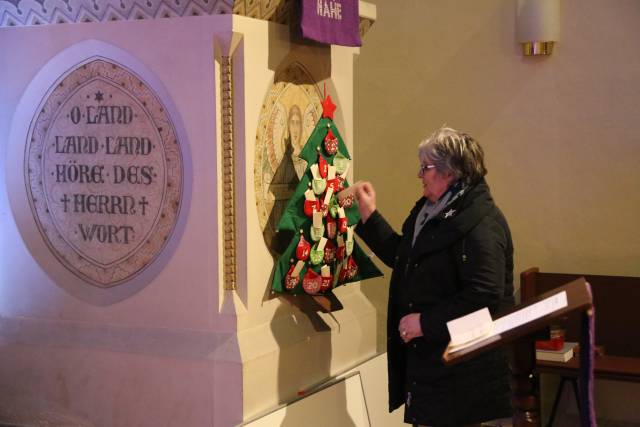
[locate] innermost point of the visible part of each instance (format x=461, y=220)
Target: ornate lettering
x=98, y=173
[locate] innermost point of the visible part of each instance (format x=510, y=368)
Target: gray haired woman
x=454, y=256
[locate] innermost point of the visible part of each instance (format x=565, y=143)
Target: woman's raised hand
x=366, y=197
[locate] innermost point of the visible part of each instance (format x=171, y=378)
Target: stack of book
x=564, y=354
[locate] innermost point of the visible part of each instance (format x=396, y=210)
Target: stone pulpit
x=147, y=151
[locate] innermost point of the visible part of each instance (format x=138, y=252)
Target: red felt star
x=328, y=108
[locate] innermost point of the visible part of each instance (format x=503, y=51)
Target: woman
x=455, y=256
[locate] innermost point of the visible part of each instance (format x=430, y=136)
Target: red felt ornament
x=341, y=252
x=323, y=166
x=291, y=280
x=330, y=143
x=310, y=206
x=342, y=277
x=311, y=282
x=334, y=184
x=329, y=252
x=341, y=183
x=342, y=225
x=331, y=227
x=326, y=283
x=351, y=268
x=342, y=221
x=303, y=248
x=324, y=208
x=346, y=202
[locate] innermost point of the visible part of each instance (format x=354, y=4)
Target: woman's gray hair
x=456, y=152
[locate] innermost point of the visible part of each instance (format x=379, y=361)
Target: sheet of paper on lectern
x=468, y=329
x=532, y=312
x=478, y=326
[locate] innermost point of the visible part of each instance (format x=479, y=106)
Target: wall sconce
x=537, y=25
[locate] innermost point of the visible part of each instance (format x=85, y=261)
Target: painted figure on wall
x=294, y=138
x=289, y=114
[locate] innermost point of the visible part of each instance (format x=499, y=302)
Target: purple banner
x=331, y=21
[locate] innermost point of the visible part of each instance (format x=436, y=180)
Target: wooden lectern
x=522, y=350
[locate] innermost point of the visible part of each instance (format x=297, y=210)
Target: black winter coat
x=462, y=261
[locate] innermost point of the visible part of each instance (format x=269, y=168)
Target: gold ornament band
x=537, y=48
x=228, y=165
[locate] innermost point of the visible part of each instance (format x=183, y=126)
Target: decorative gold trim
x=228, y=167
x=537, y=48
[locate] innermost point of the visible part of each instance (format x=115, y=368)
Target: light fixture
x=537, y=25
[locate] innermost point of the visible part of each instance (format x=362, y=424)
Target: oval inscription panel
x=104, y=173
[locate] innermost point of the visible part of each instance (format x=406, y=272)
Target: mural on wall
x=288, y=116
x=104, y=173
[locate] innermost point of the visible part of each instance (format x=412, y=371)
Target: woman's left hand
x=410, y=327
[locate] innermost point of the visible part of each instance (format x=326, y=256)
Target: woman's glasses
x=424, y=168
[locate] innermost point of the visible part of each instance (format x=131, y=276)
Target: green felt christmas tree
x=323, y=253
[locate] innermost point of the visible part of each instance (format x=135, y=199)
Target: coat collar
x=453, y=222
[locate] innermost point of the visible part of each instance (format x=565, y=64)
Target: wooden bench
x=616, y=300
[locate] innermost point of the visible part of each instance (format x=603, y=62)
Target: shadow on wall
x=284, y=182
x=303, y=337
x=304, y=340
